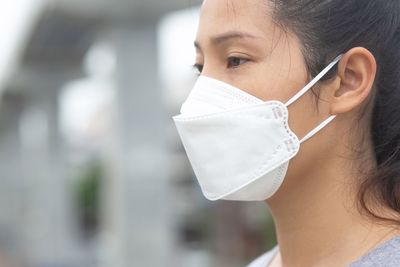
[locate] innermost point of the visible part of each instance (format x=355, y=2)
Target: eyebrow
x=219, y=39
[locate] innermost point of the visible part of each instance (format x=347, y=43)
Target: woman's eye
x=234, y=62
x=198, y=67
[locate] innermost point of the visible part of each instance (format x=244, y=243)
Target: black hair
x=327, y=28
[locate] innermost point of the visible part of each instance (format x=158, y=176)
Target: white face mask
x=238, y=145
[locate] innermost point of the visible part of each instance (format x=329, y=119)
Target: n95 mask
x=239, y=146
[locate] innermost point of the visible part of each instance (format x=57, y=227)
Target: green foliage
x=87, y=195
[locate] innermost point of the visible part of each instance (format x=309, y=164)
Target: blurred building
x=92, y=171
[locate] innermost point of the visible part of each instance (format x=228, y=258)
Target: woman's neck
x=317, y=221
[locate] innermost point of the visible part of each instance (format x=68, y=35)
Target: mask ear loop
x=308, y=87
x=313, y=81
x=317, y=129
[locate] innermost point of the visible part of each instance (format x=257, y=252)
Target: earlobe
x=356, y=72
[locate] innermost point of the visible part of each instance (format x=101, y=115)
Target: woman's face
x=238, y=43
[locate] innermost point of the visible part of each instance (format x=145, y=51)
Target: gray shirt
x=384, y=255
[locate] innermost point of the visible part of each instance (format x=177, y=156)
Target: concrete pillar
x=48, y=226
x=137, y=218
x=11, y=193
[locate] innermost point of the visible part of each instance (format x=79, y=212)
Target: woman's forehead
x=229, y=9
x=218, y=17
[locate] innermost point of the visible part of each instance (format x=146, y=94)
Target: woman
x=324, y=158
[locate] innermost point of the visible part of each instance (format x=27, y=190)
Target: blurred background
x=92, y=172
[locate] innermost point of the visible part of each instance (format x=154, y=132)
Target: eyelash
x=199, y=67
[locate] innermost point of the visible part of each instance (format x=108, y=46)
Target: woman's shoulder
x=264, y=259
x=386, y=254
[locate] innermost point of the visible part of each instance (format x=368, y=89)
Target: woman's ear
x=356, y=72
